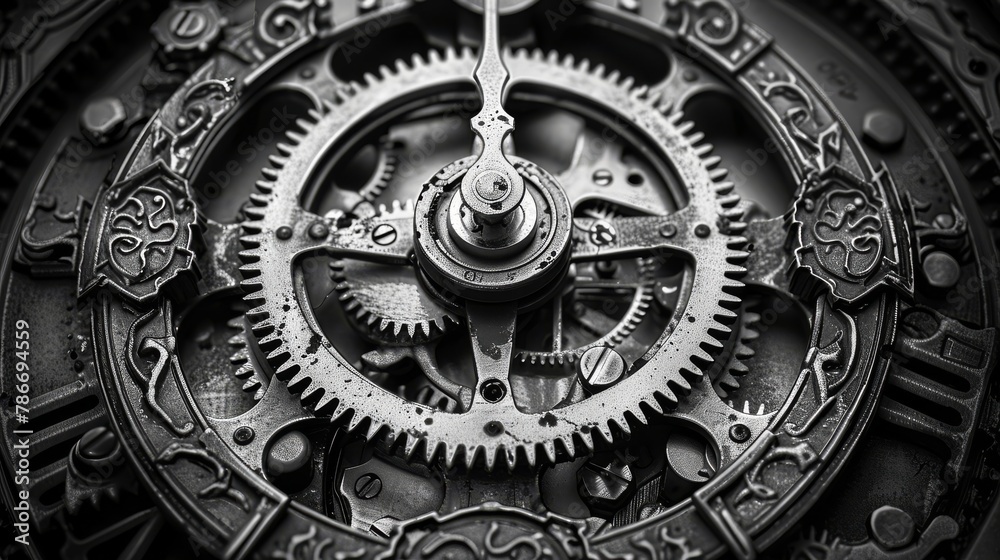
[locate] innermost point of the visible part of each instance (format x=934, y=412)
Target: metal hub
x=504, y=261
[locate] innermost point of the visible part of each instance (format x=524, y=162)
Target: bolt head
x=606, y=484
x=103, y=120
x=883, y=130
x=289, y=461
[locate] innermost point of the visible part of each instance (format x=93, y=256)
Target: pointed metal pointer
x=492, y=188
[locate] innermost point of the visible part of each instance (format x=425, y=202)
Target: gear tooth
x=601, y=70
x=471, y=455
x=295, y=137
x=567, y=444
x=278, y=161
x=266, y=187
x=569, y=61
x=530, y=455
x=695, y=139
x=251, y=385
x=719, y=173
x=549, y=448
x=584, y=65
x=746, y=407
x=724, y=188
x=615, y=76
x=490, y=457
x=552, y=57
x=308, y=123
x=729, y=201
x=316, y=115
x=629, y=83
x=666, y=394
x=269, y=173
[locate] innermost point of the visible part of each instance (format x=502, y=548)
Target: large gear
x=708, y=312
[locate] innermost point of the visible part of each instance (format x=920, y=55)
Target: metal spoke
x=492, y=328
x=618, y=238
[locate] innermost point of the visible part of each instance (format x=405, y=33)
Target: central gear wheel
x=707, y=230
x=387, y=302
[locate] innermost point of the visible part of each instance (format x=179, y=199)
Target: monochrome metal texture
x=500, y=279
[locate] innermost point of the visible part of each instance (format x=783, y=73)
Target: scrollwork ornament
x=143, y=235
x=287, y=21
x=851, y=234
x=716, y=28
x=489, y=532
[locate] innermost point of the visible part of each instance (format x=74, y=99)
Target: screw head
x=188, y=23
x=367, y=486
x=283, y=233
x=384, y=234
x=600, y=367
x=702, y=230
x=668, y=230
x=603, y=177
x=244, y=435
x=739, y=433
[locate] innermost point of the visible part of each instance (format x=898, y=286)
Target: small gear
x=388, y=301
x=361, y=199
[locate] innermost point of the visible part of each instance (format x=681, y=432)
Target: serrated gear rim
x=329, y=386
